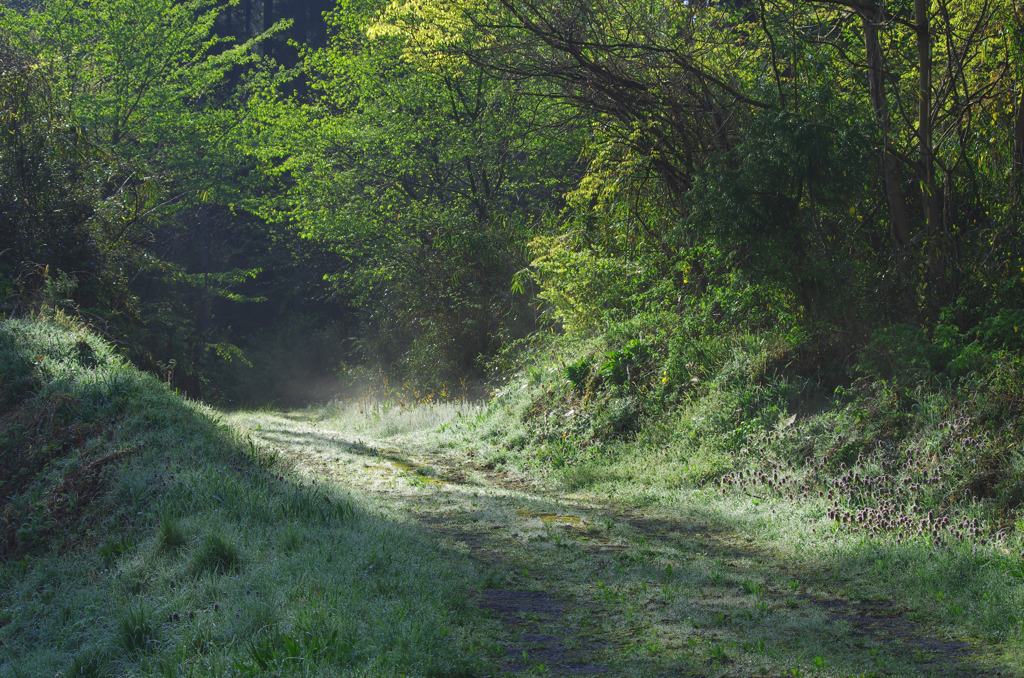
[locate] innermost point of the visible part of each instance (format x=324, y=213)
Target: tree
x=684, y=90
x=427, y=183
x=123, y=120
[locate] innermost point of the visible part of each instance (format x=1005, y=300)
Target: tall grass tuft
x=216, y=554
x=137, y=628
x=90, y=663
x=170, y=534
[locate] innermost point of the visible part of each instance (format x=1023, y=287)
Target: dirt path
x=583, y=586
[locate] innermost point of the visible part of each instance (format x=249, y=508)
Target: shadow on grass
x=595, y=587
x=146, y=510
x=692, y=600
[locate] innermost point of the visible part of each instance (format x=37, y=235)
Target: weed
x=137, y=628
x=111, y=550
x=216, y=554
x=170, y=534
x=759, y=646
x=90, y=663
x=578, y=372
x=269, y=653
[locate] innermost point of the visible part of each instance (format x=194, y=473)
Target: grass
x=911, y=492
x=745, y=523
x=137, y=628
x=144, y=537
x=217, y=555
x=394, y=416
x=170, y=534
x=89, y=663
x=897, y=499
x=656, y=592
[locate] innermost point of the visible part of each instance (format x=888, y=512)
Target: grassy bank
x=907, y=465
x=143, y=537
x=897, y=479
x=736, y=512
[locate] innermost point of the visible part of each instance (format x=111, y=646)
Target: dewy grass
x=170, y=534
x=798, y=506
x=381, y=418
x=216, y=554
x=903, y=498
x=755, y=598
x=171, y=541
x=137, y=628
x=89, y=663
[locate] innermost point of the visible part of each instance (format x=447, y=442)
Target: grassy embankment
x=896, y=481
x=145, y=538
x=142, y=537
x=906, y=469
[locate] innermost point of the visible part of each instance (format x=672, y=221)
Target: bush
x=625, y=365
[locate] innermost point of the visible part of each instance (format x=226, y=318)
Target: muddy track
x=588, y=587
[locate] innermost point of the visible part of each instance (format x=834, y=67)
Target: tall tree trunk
x=1018, y=149
x=929, y=192
x=870, y=20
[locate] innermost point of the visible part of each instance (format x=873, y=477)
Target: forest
x=764, y=250
x=236, y=191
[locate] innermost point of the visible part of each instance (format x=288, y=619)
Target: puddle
x=421, y=474
x=554, y=518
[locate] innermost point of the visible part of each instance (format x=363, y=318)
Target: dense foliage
x=821, y=169
x=121, y=164
x=428, y=185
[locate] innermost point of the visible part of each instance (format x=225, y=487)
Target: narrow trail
x=587, y=587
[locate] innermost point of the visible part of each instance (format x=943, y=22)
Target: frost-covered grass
x=724, y=528
x=671, y=575
x=382, y=417
x=145, y=537
x=906, y=490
